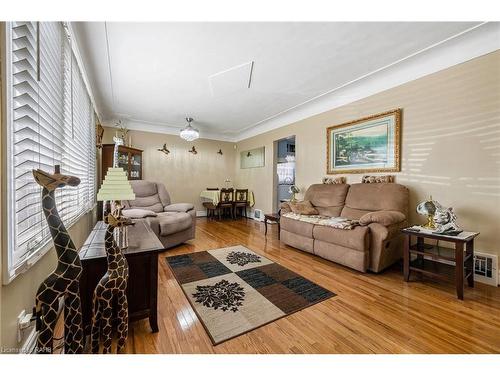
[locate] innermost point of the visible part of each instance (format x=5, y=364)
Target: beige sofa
x=381, y=208
x=172, y=223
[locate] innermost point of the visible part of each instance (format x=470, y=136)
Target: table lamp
x=428, y=209
x=116, y=187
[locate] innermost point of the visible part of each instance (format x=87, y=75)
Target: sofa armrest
x=285, y=208
x=385, y=218
x=179, y=207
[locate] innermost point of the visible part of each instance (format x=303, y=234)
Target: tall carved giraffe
x=64, y=281
x=110, y=293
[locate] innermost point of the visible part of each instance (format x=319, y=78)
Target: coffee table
x=142, y=258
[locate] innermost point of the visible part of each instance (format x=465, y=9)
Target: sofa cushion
x=151, y=203
x=382, y=217
x=144, y=188
x=328, y=199
x=303, y=208
x=295, y=226
x=179, y=207
x=138, y=213
x=357, y=238
x=173, y=222
x=376, y=197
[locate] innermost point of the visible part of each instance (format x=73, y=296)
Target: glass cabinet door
x=135, y=166
x=123, y=160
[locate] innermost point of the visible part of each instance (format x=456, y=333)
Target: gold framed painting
x=370, y=144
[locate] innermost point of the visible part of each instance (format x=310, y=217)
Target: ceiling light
x=189, y=133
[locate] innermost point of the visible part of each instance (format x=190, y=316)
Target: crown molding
x=474, y=42
x=156, y=127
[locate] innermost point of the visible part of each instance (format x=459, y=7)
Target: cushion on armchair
x=385, y=218
x=179, y=207
x=138, y=213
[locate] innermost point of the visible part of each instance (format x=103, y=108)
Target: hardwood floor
x=370, y=314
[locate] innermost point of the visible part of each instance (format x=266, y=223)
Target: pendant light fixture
x=189, y=133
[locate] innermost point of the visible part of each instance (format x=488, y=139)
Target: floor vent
x=257, y=214
x=486, y=268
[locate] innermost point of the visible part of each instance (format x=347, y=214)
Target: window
x=50, y=120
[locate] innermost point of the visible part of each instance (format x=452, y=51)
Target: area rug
x=234, y=290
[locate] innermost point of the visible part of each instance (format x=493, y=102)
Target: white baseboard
x=201, y=213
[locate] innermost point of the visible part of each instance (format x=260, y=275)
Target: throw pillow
x=303, y=208
x=334, y=180
x=377, y=179
x=138, y=213
x=385, y=218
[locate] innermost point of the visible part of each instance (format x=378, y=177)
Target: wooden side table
x=275, y=218
x=142, y=286
x=427, y=261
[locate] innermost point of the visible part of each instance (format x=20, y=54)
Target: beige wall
x=183, y=173
x=450, y=144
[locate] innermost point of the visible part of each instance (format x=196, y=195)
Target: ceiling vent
x=229, y=81
x=486, y=268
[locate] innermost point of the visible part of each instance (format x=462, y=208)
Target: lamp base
x=430, y=223
x=121, y=237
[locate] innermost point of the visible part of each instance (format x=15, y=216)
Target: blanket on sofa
x=334, y=222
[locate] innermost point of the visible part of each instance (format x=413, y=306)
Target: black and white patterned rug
x=234, y=290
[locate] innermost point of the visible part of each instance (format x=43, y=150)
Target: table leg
x=153, y=308
x=265, y=225
x=459, y=269
x=469, y=249
x=406, y=257
x=279, y=229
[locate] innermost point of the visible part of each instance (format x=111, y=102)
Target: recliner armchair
x=172, y=223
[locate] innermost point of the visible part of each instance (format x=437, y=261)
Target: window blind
x=51, y=121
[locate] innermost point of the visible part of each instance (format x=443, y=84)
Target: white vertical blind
x=51, y=121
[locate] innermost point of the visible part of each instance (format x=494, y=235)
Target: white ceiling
x=155, y=74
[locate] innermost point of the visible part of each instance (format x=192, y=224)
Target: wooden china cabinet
x=129, y=158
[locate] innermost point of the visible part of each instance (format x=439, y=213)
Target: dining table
x=214, y=197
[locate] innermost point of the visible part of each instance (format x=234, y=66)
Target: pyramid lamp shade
x=115, y=186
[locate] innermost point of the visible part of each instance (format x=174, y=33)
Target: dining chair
x=210, y=207
x=226, y=201
x=240, y=201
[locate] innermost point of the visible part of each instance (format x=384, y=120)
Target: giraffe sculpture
x=64, y=281
x=110, y=293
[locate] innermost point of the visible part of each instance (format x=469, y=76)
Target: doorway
x=284, y=170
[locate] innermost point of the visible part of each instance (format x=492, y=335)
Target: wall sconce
x=164, y=149
x=193, y=151
x=220, y=152
x=249, y=154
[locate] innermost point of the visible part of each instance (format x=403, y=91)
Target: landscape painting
x=370, y=144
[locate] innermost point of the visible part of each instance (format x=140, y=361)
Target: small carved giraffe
x=64, y=281
x=110, y=293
